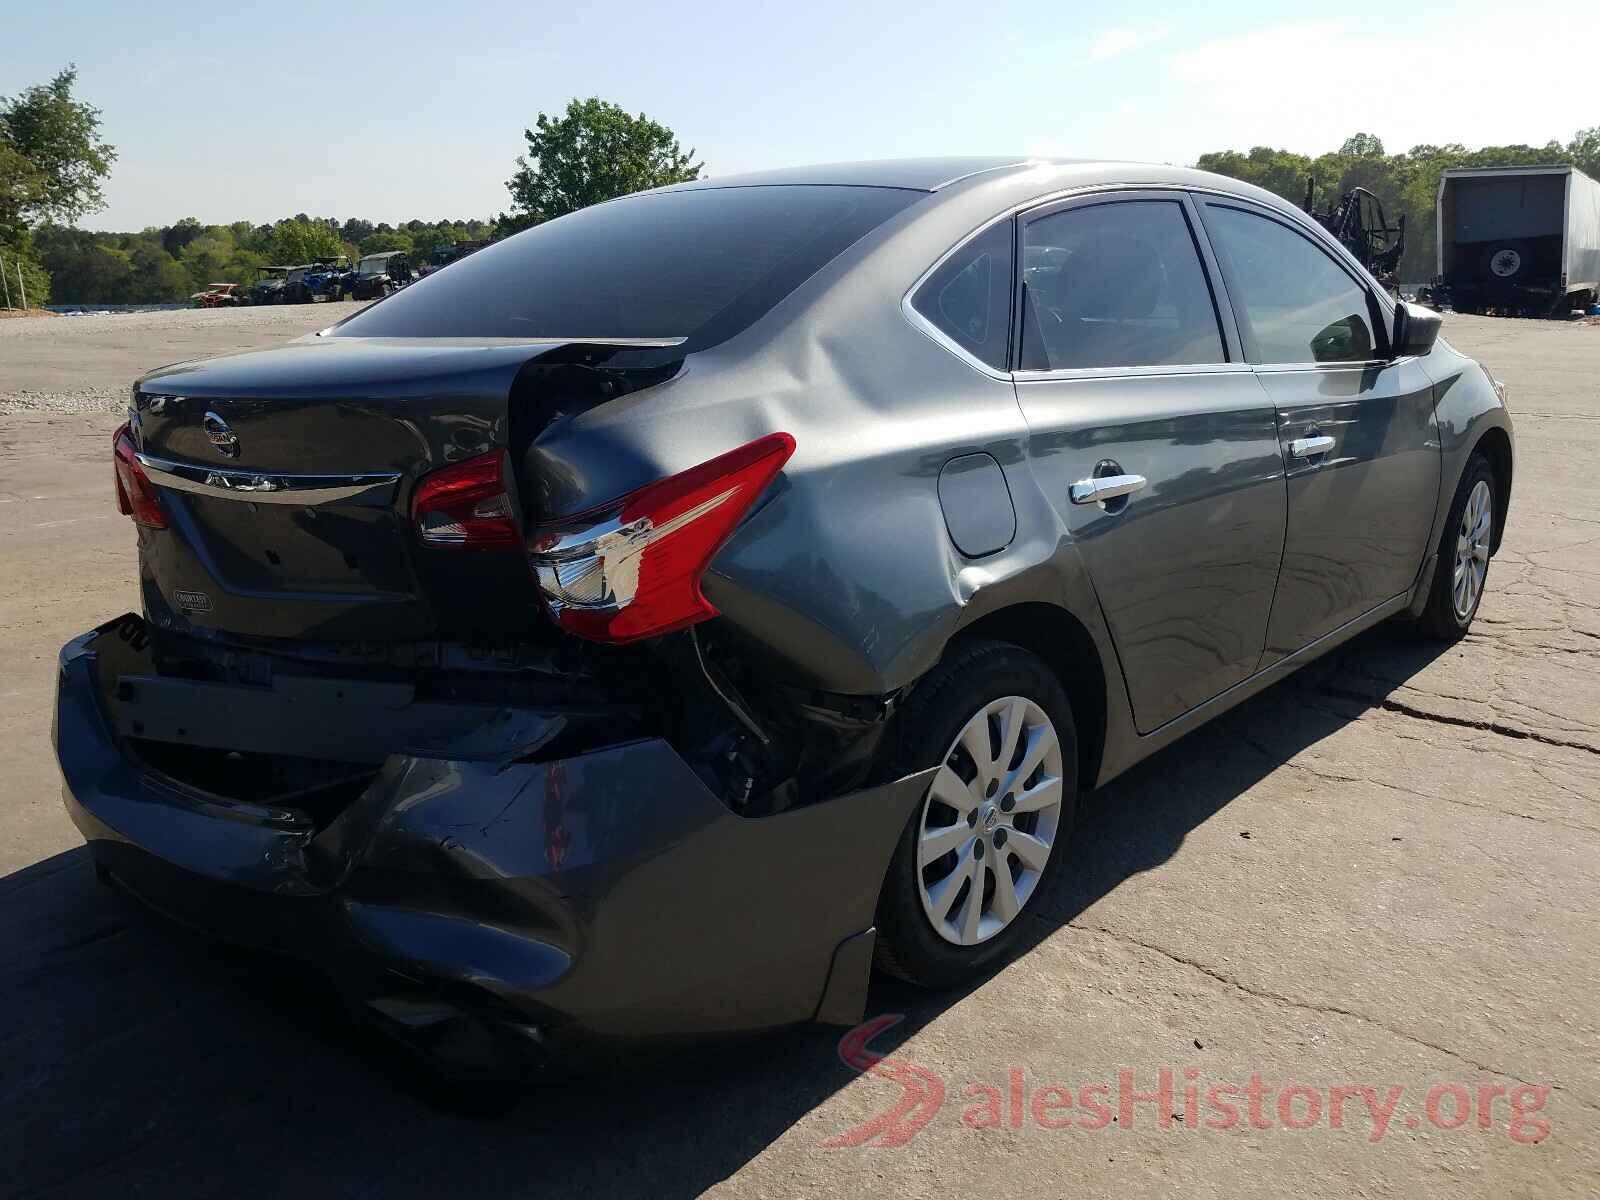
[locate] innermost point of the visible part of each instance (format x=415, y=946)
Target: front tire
x=985, y=845
x=1462, y=568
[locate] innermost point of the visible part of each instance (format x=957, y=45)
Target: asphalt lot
x=1381, y=873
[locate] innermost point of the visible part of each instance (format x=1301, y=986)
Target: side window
x=1298, y=302
x=1116, y=285
x=969, y=297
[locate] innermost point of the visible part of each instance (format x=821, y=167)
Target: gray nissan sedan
x=650, y=622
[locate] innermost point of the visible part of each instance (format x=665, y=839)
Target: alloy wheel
x=1472, y=550
x=989, y=821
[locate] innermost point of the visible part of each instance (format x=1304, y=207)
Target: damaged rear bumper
x=575, y=903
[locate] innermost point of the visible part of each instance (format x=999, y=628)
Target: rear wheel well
x=1496, y=447
x=1059, y=638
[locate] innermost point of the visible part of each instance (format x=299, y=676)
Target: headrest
x=1114, y=277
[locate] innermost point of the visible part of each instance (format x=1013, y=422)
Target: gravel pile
x=86, y=364
x=85, y=400
x=290, y=319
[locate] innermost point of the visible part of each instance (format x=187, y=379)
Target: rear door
x=1153, y=439
x=1357, y=429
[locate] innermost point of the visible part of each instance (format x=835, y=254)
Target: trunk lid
x=287, y=474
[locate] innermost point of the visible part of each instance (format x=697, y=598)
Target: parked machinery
x=328, y=279
x=267, y=287
x=1519, y=240
x=1359, y=222
x=218, y=295
x=444, y=255
x=322, y=279
x=376, y=275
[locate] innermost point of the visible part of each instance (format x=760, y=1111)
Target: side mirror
x=1415, y=330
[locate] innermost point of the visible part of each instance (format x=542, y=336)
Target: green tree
x=175, y=237
x=443, y=234
x=595, y=152
x=299, y=240
x=208, y=256
x=1405, y=183
x=18, y=255
x=378, y=243
x=1362, y=145
x=105, y=276
x=1584, y=150
x=22, y=189
x=158, y=278
x=241, y=268
x=60, y=138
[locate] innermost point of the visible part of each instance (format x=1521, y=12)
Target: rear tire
x=997, y=719
x=1462, y=569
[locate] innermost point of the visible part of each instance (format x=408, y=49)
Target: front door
x=1357, y=429
x=1156, y=444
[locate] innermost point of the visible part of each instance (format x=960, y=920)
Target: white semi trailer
x=1519, y=239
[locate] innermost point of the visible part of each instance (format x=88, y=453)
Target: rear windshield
x=700, y=264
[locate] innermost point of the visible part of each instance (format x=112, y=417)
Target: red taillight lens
x=467, y=506
x=633, y=570
x=136, y=495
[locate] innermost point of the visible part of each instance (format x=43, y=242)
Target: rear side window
x=1116, y=285
x=701, y=264
x=968, y=298
x=1298, y=303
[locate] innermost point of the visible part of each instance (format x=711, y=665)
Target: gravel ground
x=85, y=364
x=1380, y=873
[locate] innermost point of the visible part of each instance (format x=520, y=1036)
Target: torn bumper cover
x=602, y=897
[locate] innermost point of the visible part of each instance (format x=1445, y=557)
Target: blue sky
x=410, y=109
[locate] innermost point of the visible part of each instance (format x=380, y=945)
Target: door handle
x=1310, y=447
x=1106, y=487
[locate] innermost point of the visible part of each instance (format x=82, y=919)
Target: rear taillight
x=467, y=506
x=136, y=495
x=632, y=570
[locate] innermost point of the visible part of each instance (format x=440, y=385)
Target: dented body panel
x=604, y=896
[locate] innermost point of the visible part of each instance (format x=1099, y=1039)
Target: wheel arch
x=1495, y=445
x=1058, y=637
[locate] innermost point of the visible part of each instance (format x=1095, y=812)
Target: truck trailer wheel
x=1504, y=261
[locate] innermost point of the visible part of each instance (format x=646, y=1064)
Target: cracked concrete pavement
x=1381, y=872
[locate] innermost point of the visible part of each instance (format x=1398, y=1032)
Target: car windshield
x=701, y=264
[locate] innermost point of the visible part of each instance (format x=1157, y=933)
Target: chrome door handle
x=1310, y=447
x=1105, y=487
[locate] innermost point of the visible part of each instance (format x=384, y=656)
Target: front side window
x=1116, y=285
x=701, y=264
x=1299, y=304
x=968, y=298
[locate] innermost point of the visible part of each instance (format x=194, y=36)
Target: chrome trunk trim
x=271, y=487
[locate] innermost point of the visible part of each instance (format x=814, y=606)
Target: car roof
x=916, y=174
x=1003, y=175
